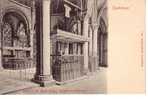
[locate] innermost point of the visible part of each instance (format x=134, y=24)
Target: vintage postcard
x=72, y=47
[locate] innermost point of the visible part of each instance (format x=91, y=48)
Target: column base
x=1, y=68
x=72, y=81
x=44, y=80
x=1, y=65
x=86, y=72
x=93, y=64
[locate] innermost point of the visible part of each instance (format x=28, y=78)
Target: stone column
x=90, y=42
x=95, y=40
x=67, y=49
x=1, y=67
x=43, y=74
x=32, y=32
x=95, y=46
x=85, y=46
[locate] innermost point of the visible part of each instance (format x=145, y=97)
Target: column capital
x=95, y=26
x=86, y=18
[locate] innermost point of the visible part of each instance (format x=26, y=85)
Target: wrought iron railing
x=18, y=69
x=65, y=68
x=17, y=64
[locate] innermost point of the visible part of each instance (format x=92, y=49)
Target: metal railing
x=18, y=69
x=65, y=68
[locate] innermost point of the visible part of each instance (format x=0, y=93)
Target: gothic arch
x=103, y=25
x=102, y=43
x=16, y=17
x=18, y=12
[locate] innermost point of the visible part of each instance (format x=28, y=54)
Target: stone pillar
x=95, y=40
x=67, y=49
x=32, y=29
x=43, y=74
x=1, y=67
x=85, y=46
x=90, y=42
x=95, y=47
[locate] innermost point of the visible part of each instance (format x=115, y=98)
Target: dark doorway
x=102, y=44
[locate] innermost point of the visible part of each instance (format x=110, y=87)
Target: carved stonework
x=15, y=41
x=14, y=31
x=7, y=35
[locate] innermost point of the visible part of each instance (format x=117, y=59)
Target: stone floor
x=94, y=84
x=10, y=85
x=14, y=80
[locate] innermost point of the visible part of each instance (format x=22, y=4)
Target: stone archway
x=14, y=25
x=15, y=40
x=102, y=43
x=97, y=10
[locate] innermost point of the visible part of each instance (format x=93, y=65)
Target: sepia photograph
x=62, y=47
x=57, y=43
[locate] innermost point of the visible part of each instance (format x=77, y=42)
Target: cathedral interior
x=63, y=40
